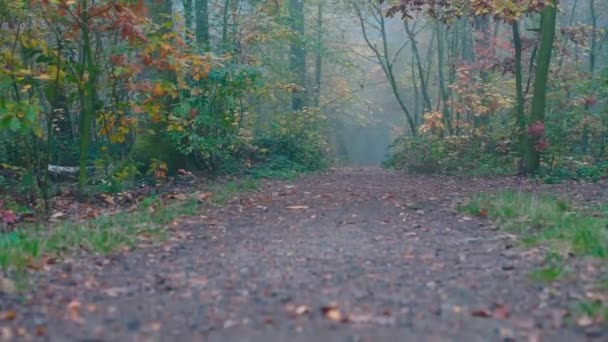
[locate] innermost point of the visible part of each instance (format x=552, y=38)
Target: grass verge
x=22, y=248
x=546, y=219
x=557, y=224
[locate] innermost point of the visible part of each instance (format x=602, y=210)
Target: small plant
x=596, y=310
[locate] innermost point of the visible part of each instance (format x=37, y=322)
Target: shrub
x=296, y=140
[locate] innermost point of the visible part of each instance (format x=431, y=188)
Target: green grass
x=102, y=235
x=224, y=192
x=594, y=309
x=545, y=219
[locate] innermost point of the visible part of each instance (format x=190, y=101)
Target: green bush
x=427, y=154
x=295, y=140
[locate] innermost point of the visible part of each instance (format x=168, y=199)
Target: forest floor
x=347, y=255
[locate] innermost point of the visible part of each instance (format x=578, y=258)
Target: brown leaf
x=74, y=308
x=297, y=207
x=481, y=313
x=8, y=315
x=483, y=213
x=108, y=199
x=40, y=330
x=501, y=312
x=302, y=309
x=332, y=312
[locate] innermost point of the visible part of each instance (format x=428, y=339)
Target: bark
x=531, y=161
x=442, y=84
x=423, y=83
x=201, y=8
x=520, y=115
x=87, y=98
x=319, y=56
x=297, y=58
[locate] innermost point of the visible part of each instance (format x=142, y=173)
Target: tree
x=297, y=56
x=202, y=23
x=536, y=142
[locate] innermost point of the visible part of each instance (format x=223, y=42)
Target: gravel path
x=350, y=255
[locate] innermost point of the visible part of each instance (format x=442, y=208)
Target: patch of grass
x=552, y=271
x=545, y=219
x=224, y=192
x=103, y=235
x=595, y=309
x=548, y=274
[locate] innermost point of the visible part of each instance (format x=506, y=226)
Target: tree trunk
x=319, y=56
x=531, y=161
x=443, y=88
x=423, y=84
x=297, y=58
x=520, y=115
x=593, y=51
x=201, y=7
x=179, y=18
x=87, y=98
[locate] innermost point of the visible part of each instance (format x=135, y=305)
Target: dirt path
x=384, y=252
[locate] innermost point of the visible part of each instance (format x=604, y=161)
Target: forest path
x=349, y=255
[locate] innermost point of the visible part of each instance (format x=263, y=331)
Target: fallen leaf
x=501, y=312
x=8, y=315
x=302, y=309
x=584, y=321
x=483, y=213
x=332, y=312
x=108, y=199
x=481, y=313
x=74, y=307
x=40, y=330
x=297, y=207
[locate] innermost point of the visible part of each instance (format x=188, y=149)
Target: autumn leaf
x=332, y=312
x=8, y=315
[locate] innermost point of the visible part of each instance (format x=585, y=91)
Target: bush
x=427, y=153
x=296, y=140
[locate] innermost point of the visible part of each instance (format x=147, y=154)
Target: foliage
x=296, y=140
x=471, y=155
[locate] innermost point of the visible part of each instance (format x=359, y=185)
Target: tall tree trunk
x=87, y=98
x=531, y=162
x=179, y=18
x=201, y=8
x=443, y=88
x=593, y=51
x=225, y=20
x=520, y=115
x=297, y=58
x=319, y=55
x=423, y=83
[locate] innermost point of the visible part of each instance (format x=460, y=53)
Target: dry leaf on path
x=74, y=308
x=8, y=315
x=332, y=312
x=297, y=207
